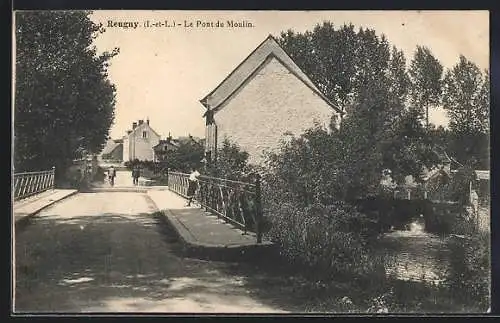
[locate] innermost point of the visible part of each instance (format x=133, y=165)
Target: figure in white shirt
x=193, y=185
x=111, y=175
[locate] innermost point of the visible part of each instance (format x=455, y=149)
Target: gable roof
x=185, y=139
x=166, y=142
x=141, y=126
x=246, y=69
x=442, y=155
x=435, y=172
x=111, y=145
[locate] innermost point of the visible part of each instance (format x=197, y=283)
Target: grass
x=368, y=295
x=391, y=296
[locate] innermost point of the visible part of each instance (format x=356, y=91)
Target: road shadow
x=119, y=263
x=267, y=276
x=116, y=262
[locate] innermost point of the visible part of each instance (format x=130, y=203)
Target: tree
x=426, y=77
x=64, y=101
x=340, y=62
x=367, y=77
x=466, y=100
x=399, y=79
x=187, y=155
x=305, y=169
x=231, y=163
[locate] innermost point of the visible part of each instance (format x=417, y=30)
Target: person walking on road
x=111, y=175
x=193, y=185
x=136, y=173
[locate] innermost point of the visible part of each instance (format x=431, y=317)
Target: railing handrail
x=216, y=179
x=26, y=184
x=34, y=173
x=228, y=199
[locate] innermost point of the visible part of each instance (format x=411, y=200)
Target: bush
x=331, y=241
x=447, y=218
x=99, y=175
x=468, y=277
x=145, y=164
x=387, y=212
x=231, y=163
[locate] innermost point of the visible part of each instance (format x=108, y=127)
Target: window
x=144, y=134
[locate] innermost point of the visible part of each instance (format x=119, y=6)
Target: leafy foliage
x=306, y=169
x=382, y=129
x=142, y=164
x=231, y=163
x=361, y=72
x=64, y=102
x=400, y=81
x=469, y=275
x=458, y=187
x=327, y=239
x=341, y=62
x=187, y=155
x=426, y=79
x=466, y=99
x=378, y=134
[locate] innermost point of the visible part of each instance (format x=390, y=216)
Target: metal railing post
x=229, y=200
x=30, y=183
x=53, y=177
x=258, y=208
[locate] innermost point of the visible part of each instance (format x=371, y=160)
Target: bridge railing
x=31, y=183
x=238, y=203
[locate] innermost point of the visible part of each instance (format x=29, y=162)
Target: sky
x=161, y=72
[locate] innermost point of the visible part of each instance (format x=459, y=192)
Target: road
x=123, y=179
x=109, y=252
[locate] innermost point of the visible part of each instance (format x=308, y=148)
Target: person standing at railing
x=192, y=185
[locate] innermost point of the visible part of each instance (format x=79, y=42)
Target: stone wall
x=274, y=102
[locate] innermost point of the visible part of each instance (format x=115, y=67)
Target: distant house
x=266, y=96
x=138, y=143
x=113, y=150
x=443, y=169
x=433, y=179
x=164, y=147
x=190, y=139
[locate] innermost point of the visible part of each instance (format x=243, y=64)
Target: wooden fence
x=238, y=203
x=30, y=183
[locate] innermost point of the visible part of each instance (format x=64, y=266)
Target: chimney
x=141, y=122
x=134, y=125
x=147, y=121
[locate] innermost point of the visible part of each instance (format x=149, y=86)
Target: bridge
x=133, y=248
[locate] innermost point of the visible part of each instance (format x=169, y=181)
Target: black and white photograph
x=170, y=161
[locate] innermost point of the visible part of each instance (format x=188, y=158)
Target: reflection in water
x=416, y=227
x=416, y=255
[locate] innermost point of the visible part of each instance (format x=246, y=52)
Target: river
x=416, y=255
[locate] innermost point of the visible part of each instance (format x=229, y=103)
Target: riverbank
x=418, y=280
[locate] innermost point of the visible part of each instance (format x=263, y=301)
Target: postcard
x=251, y=162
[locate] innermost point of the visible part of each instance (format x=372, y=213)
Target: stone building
x=138, y=143
x=261, y=100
